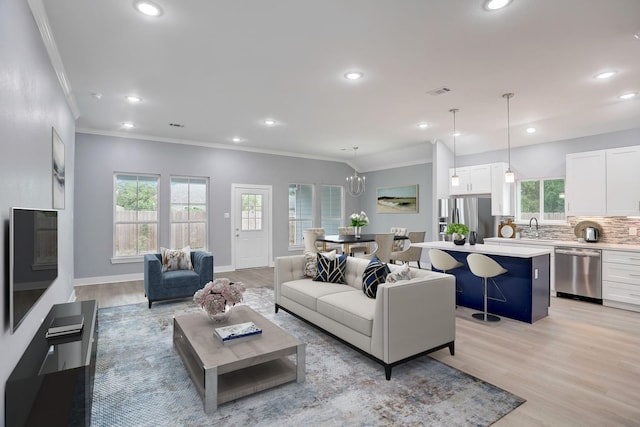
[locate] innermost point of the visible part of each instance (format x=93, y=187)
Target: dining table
x=346, y=240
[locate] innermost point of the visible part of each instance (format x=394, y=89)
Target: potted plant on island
x=458, y=233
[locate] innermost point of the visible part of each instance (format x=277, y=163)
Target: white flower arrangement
x=359, y=219
x=216, y=295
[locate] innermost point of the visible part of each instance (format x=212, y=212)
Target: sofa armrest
x=413, y=316
x=203, y=265
x=287, y=268
x=152, y=271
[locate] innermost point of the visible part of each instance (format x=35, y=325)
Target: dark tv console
x=52, y=384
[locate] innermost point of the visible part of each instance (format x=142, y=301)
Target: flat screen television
x=33, y=259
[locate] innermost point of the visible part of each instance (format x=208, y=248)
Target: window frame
x=295, y=244
x=540, y=216
x=207, y=210
x=138, y=256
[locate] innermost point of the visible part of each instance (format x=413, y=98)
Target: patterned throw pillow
x=176, y=259
x=311, y=262
x=374, y=274
x=331, y=270
x=402, y=273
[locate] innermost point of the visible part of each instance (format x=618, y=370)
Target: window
x=300, y=211
x=189, y=217
x=251, y=212
x=331, y=208
x=135, y=228
x=541, y=198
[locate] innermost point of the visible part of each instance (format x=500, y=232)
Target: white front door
x=251, y=210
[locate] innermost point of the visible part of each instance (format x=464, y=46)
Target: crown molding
x=42, y=21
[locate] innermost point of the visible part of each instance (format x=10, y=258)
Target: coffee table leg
x=300, y=363
x=210, y=390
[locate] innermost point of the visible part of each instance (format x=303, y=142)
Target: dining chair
x=410, y=253
x=383, y=247
x=399, y=245
x=354, y=248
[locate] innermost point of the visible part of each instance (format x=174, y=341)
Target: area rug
x=141, y=381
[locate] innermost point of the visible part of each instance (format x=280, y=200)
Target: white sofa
x=407, y=319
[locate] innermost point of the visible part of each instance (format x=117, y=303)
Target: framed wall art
x=58, y=170
x=397, y=199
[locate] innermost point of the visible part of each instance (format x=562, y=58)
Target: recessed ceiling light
x=148, y=8
x=270, y=122
x=628, y=95
x=423, y=125
x=457, y=134
x=133, y=98
x=236, y=139
x=495, y=4
x=605, y=75
x=353, y=75
x=530, y=130
x=128, y=125
x=637, y=35
x=96, y=95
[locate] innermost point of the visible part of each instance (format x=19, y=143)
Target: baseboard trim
x=97, y=280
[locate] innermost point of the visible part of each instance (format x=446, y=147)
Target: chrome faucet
x=537, y=235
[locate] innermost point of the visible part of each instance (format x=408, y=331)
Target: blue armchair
x=179, y=283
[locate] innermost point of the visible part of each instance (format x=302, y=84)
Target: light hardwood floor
x=580, y=366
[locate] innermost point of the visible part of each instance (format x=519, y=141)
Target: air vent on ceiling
x=176, y=125
x=439, y=91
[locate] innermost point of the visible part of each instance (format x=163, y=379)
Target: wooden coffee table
x=224, y=372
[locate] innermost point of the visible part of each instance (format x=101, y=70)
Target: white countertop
x=565, y=243
x=512, y=251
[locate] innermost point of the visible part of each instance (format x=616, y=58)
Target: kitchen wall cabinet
x=473, y=180
x=502, y=194
x=585, y=183
x=623, y=178
x=621, y=279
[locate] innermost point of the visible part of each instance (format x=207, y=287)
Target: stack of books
x=237, y=333
x=67, y=325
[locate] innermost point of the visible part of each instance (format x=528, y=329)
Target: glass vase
x=222, y=316
x=357, y=231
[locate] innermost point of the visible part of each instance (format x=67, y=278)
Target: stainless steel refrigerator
x=474, y=212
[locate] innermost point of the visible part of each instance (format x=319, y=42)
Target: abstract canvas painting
x=397, y=199
x=58, y=171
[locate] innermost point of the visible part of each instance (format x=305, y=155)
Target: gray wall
x=98, y=157
x=31, y=103
x=548, y=160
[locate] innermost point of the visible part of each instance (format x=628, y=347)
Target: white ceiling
x=221, y=67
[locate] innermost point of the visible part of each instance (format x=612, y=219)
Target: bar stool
x=443, y=261
x=485, y=267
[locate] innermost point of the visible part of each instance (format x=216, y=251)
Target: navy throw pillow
x=331, y=270
x=374, y=274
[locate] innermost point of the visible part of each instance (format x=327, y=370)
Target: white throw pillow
x=176, y=259
x=402, y=273
x=311, y=262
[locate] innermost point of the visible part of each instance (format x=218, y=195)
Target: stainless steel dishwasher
x=579, y=274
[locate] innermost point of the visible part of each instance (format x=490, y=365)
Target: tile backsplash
x=615, y=229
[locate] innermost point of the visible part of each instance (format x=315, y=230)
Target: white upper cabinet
x=585, y=184
x=623, y=181
x=473, y=180
x=502, y=200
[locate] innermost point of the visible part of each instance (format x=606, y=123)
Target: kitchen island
x=522, y=293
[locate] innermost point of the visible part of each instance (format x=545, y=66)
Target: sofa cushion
x=374, y=274
x=306, y=292
x=352, y=309
x=401, y=273
x=331, y=270
x=311, y=262
x=176, y=259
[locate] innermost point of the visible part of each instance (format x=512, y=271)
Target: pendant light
x=355, y=183
x=509, y=177
x=455, y=179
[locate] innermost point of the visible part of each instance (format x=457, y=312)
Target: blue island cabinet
x=522, y=293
